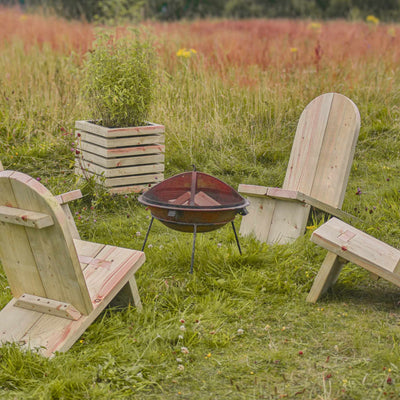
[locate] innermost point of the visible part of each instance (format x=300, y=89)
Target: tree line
x=172, y=10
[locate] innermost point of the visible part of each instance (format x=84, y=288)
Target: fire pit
x=194, y=202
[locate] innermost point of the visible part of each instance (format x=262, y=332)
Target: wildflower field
x=230, y=94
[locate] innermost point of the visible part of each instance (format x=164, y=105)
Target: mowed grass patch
x=239, y=327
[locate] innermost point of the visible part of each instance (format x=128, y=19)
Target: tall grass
x=231, y=109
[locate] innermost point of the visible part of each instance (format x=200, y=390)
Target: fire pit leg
x=147, y=233
x=193, y=247
x=236, y=237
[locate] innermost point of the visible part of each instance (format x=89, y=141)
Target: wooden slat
x=63, y=200
x=313, y=202
x=149, y=129
x=1, y=167
x=293, y=195
x=122, y=161
x=48, y=306
x=360, y=248
x=110, y=143
x=122, y=152
x=15, y=322
x=182, y=199
x=121, y=171
x=26, y=218
x=124, y=181
x=203, y=200
x=69, y=196
x=307, y=144
x=253, y=190
x=288, y=222
x=131, y=189
x=258, y=221
x=337, y=152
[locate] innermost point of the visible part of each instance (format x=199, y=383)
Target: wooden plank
x=129, y=141
x=337, y=152
x=361, y=249
x=288, y=222
x=131, y=189
x=119, y=172
x=149, y=129
x=124, y=181
x=26, y=218
x=313, y=202
x=121, y=161
x=326, y=277
x=204, y=200
x=123, y=260
x=1, y=167
x=69, y=196
x=293, y=195
x=53, y=249
x=258, y=221
x=182, y=199
x=47, y=306
x=87, y=250
x=121, y=152
x=15, y=322
x=70, y=221
x=307, y=144
x=253, y=190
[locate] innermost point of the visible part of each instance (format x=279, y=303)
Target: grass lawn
x=239, y=327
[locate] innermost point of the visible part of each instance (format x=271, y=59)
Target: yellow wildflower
x=391, y=32
x=185, y=52
x=316, y=26
x=293, y=49
x=372, y=19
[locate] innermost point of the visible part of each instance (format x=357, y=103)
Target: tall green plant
x=119, y=79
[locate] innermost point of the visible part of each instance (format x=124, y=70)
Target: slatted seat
x=317, y=174
x=59, y=283
x=346, y=243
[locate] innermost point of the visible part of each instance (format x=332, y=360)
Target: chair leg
x=129, y=294
x=326, y=277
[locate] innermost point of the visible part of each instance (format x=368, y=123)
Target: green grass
x=249, y=333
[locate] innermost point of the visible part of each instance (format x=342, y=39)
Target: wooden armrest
x=26, y=218
x=293, y=195
x=253, y=190
x=69, y=196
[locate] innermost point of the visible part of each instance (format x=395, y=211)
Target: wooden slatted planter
x=122, y=159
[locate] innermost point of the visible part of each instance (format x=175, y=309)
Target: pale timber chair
x=59, y=283
x=348, y=244
x=317, y=174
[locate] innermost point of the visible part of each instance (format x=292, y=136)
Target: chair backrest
x=41, y=262
x=323, y=149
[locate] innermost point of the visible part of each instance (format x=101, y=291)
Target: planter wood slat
x=122, y=159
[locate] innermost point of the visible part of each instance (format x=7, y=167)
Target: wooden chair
x=347, y=244
x=59, y=283
x=317, y=174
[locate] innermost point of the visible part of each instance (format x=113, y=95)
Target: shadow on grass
x=381, y=295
